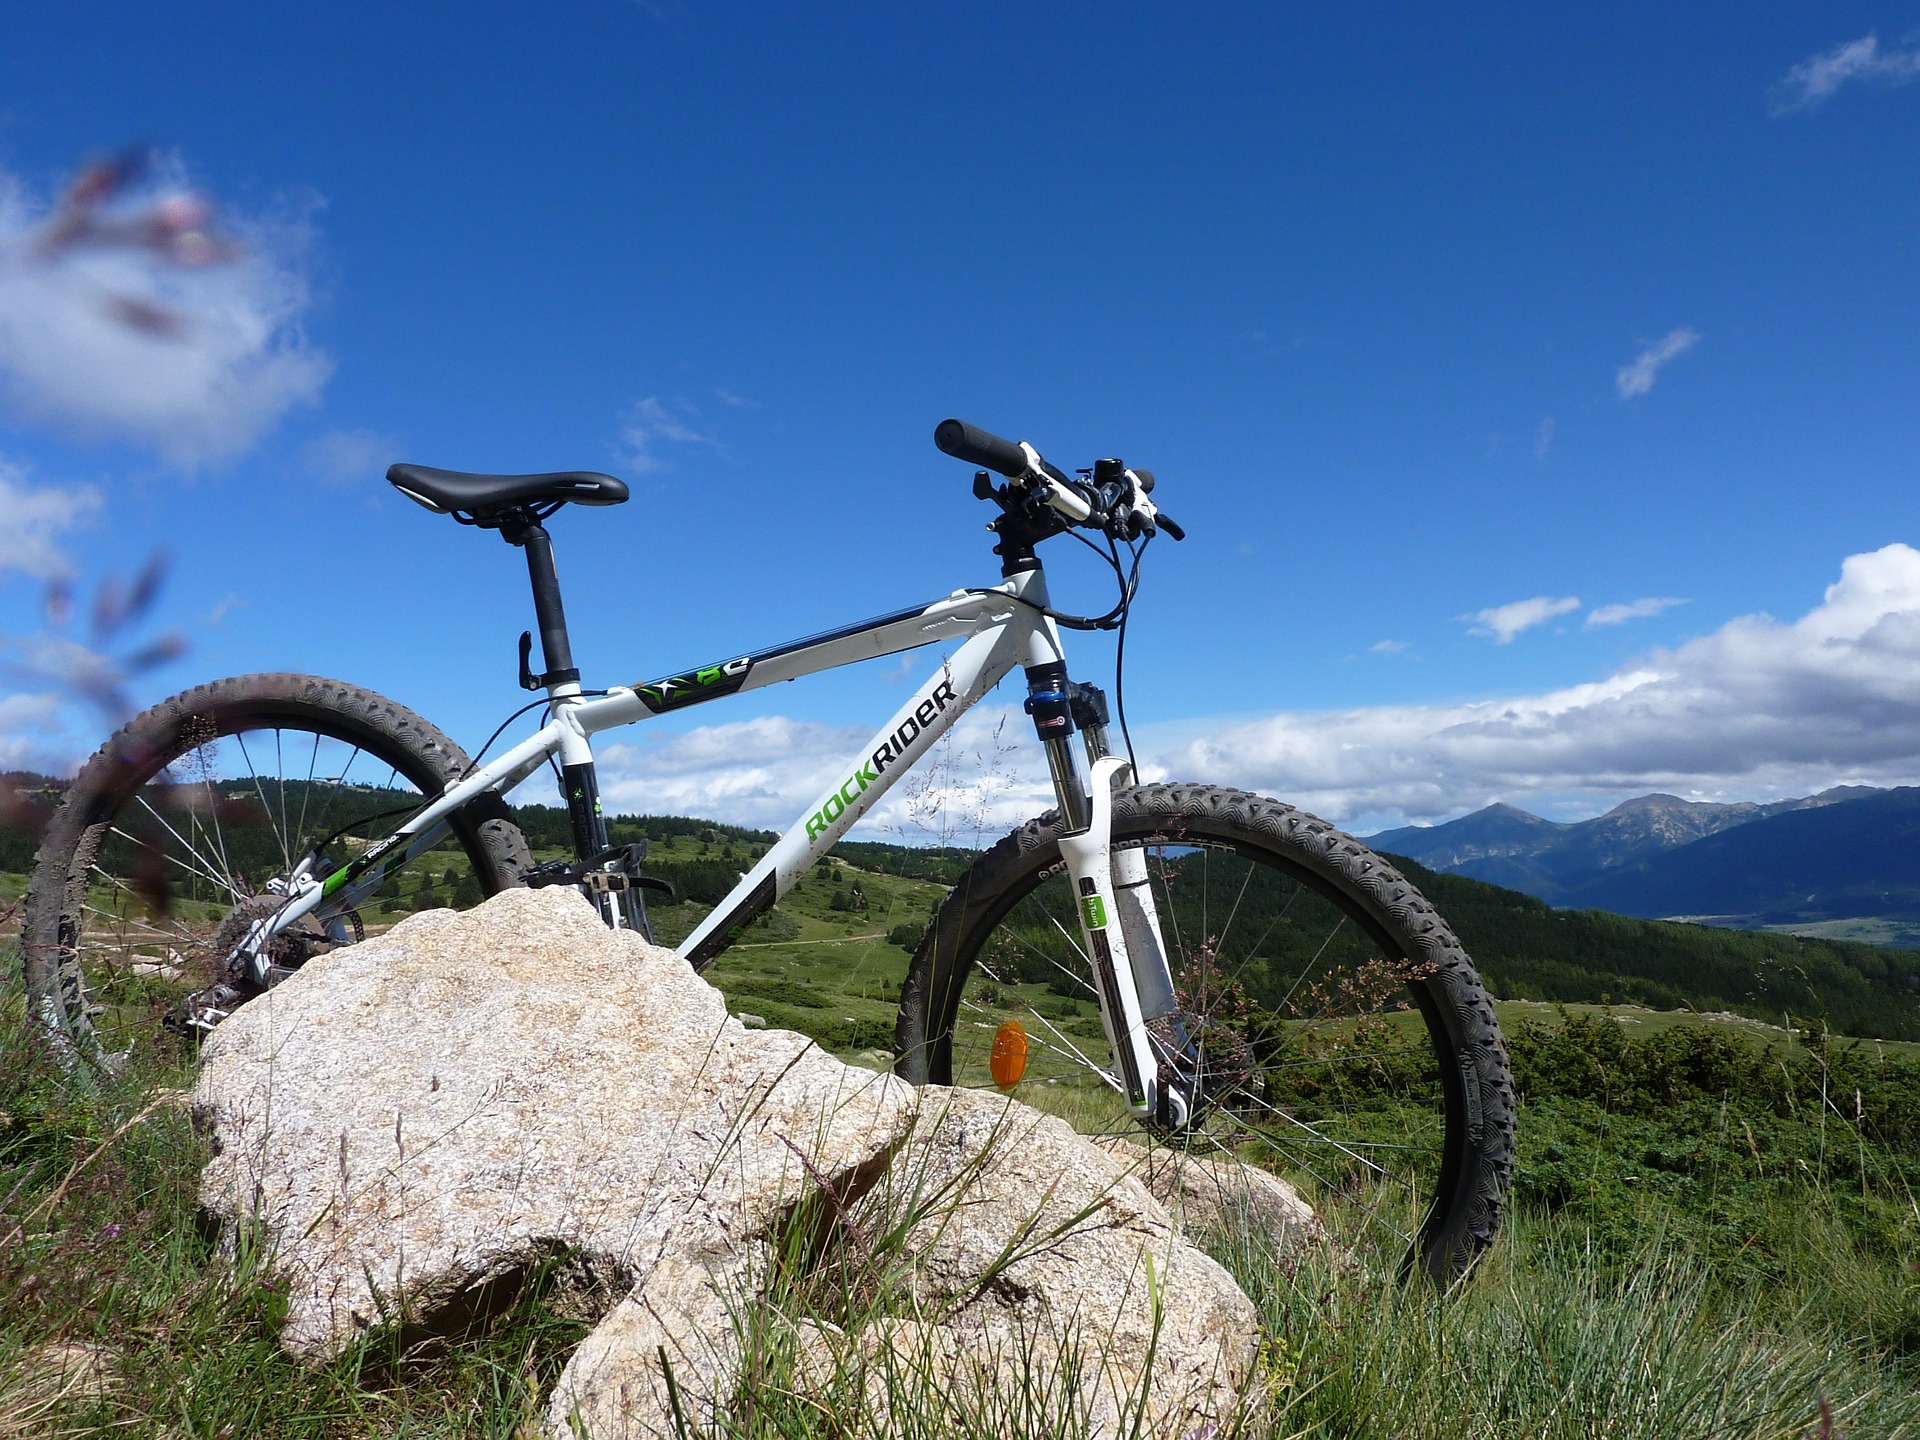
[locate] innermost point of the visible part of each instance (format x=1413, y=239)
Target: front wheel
x=1348, y=1044
x=162, y=855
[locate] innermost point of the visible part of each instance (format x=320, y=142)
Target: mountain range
x=1844, y=863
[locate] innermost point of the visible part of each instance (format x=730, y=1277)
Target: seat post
x=579, y=783
x=530, y=535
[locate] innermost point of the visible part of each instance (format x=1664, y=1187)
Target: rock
x=999, y=1257
x=1219, y=1196
x=1029, y=1240
x=692, y=1314
x=419, y=1119
x=473, y=1093
x=752, y=1022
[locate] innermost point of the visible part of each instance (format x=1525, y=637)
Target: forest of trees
x=1527, y=950
x=1524, y=948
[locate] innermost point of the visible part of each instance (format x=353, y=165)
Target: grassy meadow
x=1714, y=1232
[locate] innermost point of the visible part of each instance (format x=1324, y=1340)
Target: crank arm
x=341, y=891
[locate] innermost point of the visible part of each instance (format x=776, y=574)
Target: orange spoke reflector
x=1009, y=1059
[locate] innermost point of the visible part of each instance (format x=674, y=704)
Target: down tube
x=956, y=687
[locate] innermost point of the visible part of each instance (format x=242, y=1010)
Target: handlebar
x=1121, y=510
x=980, y=447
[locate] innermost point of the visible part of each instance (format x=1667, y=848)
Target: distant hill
x=1528, y=950
x=1860, y=858
x=1561, y=863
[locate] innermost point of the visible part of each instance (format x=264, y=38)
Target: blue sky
x=1507, y=374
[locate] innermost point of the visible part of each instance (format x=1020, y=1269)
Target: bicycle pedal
x=613, y=882
x=551, y=872
x=610, y=872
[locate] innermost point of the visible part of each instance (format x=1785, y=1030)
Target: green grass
x=1640, y=1022
x=831, y=974
x=1705, y=1244
x=1547, y=1341
x=1715, y=1232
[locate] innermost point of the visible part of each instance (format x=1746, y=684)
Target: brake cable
x=1115, y=619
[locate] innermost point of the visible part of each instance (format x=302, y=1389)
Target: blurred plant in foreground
x=95, y=672
x=106, y=208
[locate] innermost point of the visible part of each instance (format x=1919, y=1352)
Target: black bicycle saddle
x=452, y=492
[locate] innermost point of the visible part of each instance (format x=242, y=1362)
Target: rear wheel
x=1348, y=1043
x=162, y=854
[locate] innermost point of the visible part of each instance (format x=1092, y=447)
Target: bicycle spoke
x=223, y=882
x=254, y=775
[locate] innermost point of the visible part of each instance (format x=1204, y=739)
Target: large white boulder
x=471, y=1095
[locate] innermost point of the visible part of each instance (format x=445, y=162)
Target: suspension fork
x=1139, y=912
x=1119, y=921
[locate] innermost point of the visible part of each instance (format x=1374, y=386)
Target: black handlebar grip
x=978, y=447
x=1161, y=521
x=1145, y=477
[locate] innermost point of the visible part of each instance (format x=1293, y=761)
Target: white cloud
x=31, y=522
x=29, y=725
x=989, y=776
x=1637, y=378
x=1543, y=439
x=1503, y=622
x=1810, y=83
x=349, y=457
x=1388, y=647
x=647, y=423
x=1757, y=707
x=1632, y=610
x=238, y=362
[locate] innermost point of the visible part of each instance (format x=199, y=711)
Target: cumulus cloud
x=349, y=457
x=1632, y=610
x=982, y=780
x=30, y=731
x=1503, y=622
x=649, y=423
x=194, y=392
x=1756, y=707
x=1809, y=84
x=32, y=521
x=1637, y=377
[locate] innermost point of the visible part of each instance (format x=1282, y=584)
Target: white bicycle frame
x=1002, y=627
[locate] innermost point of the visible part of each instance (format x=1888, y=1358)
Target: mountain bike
x=1216, y=969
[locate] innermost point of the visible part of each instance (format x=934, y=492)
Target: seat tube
x=589, y=827
x=579, y=780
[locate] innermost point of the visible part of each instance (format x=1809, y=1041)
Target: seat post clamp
x=531, y=681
